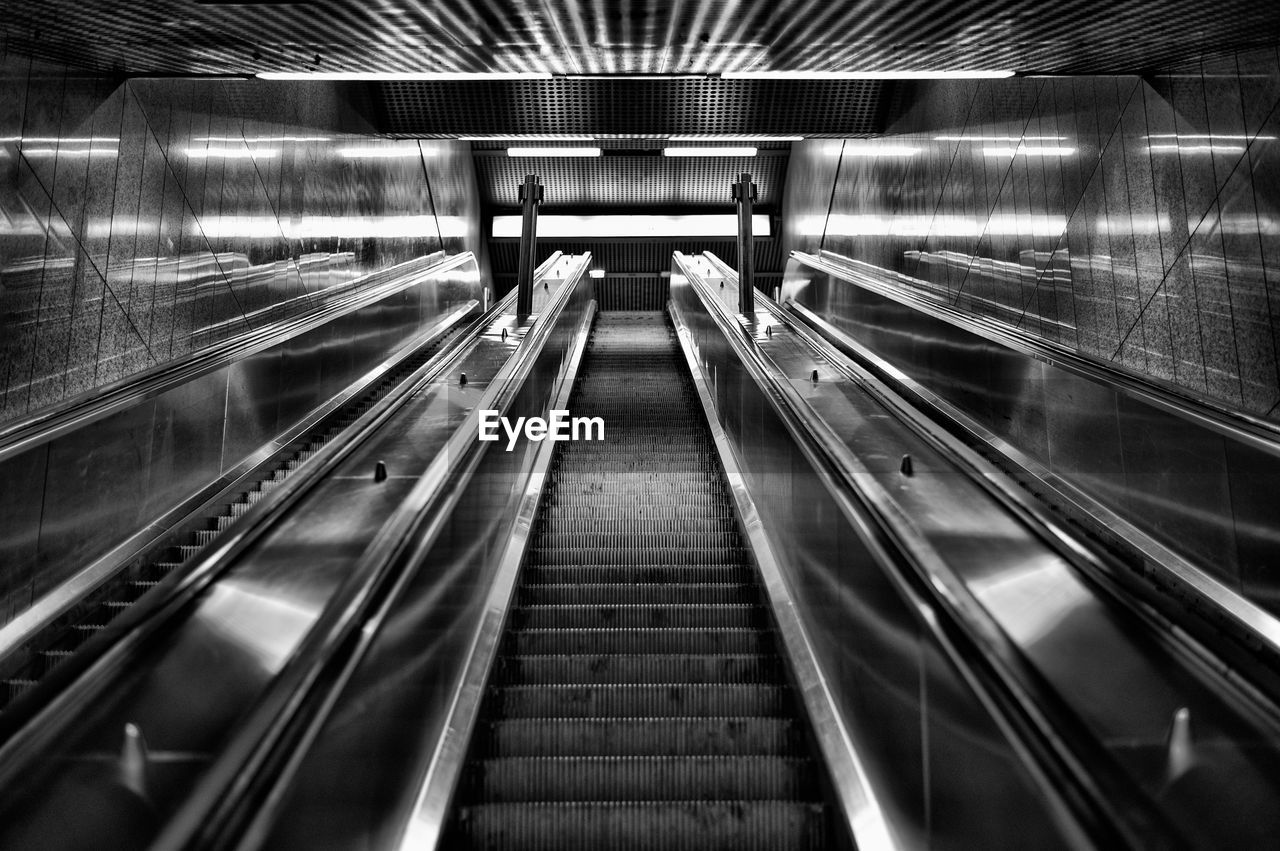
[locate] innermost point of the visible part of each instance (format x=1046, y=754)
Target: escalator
x=639, y=691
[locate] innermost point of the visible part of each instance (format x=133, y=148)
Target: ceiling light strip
x=708, y=152
x=553, y=152
x=399, y=76
x=866, y=75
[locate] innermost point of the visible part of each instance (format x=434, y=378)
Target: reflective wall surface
x=945, y=775
x=1133, y=219
x=142, y=221
x=119, y=479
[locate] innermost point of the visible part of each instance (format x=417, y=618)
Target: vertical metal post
x=530, y=198
x=744, y=192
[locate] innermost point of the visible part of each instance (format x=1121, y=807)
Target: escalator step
x=651, y=668
x=632, y=826
x=614, y=593
x=634, y=574
x=707, y=735
x=642, y=778
x=610, y=555
x=645, y=700
x=541, y=642
x=721, y=616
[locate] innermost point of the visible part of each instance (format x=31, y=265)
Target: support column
x=744, y=193
x=530, y=198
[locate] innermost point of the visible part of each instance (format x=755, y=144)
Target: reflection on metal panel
x=1190, y=480
x=892, y=686
x=112, y=474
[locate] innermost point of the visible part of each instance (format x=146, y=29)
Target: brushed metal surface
x=1119, y=678
x=190, y=693
x=872, y=642
x=1180, y=472
x=394, y=731
x=120, y=463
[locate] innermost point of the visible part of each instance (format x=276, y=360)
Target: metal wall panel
x=365, y=761
x=947, y=776
x=1205, y=492
x=117, y=475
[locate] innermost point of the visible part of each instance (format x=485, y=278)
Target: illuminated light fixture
x=692, y=226
x=872, y=150
x=56, y=140
x=1000, y=138
x=232, y=153
x=382, y=152
x=866, y=75
x=1029, y=151
x=235, y=140
x=70, y=152
x=914, y=226
x=553, y=152
x=763, y=138
x=1211, y=136
x=1196, y=149
x=708, y=152
x=529, y=137
x=596, y=273
x=409, y=76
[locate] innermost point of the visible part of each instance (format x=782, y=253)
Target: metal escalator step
x=646, y=700
x=716, y=616
x=558, y=642
x=708, y=735
x=539, y=555
x=656, y=540
x=634, y=574
x=669, y=593
x=633, y=826
x=584, y=668
x=643, y=778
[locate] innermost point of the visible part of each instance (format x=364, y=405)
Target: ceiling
x=632, y=36
x=631, y=72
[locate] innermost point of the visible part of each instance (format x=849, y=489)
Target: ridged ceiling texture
x=685, y=105
x=635, y=37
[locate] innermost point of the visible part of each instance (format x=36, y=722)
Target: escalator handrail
x=377, y=579
x=1252, y=626
x=1231, y=424
x=33, y=722
x=20, y=435
x=1027, y=712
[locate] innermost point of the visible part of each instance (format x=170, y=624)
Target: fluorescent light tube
x=585, y=227
x=529, y=137
x=713, y=138
x=1029, y=151
x=596, y=273
x=382, y=152
x=865, y=75
x=553, y=152
x=395, y=76
x=708, y=152
x=232, y=153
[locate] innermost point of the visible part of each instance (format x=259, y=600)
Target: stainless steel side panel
x=1205, y=492
x=940, y=767
x=188, y=692
x=108, y=480
x=358, y=786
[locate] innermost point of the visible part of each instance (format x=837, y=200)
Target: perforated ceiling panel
x=631, y=182
x=683, y=106
x=632, y=36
